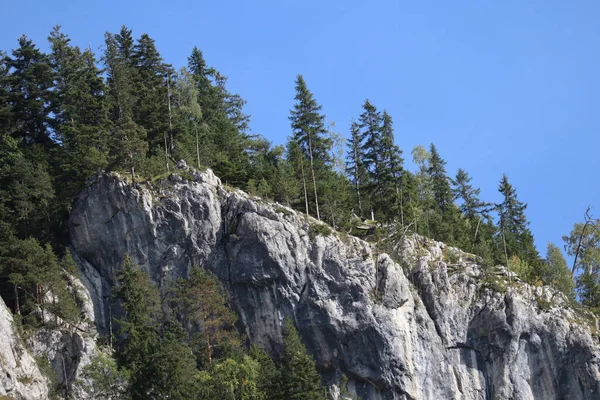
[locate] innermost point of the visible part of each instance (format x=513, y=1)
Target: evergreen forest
x=70, y=112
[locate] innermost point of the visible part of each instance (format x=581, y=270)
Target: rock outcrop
x=422, y=321
x=51, y=359
x=20, y=376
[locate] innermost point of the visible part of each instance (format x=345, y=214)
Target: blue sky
x=499, y=86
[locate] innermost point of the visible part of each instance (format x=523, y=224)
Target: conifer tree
x=298, y=163
x=188, y=106
x=392, y=167
x=173, y=372
x=471, y=205
x=80, y=121
x=223, y=122
x=309, y=131
x=29, y=85
x=129, y=146
x=370, y=122
x=514, y=234
x=269, y=378
x=442, y=193
x=354, y=165
x=300, y=379
x=150, y=87
x=139, y=339
x=202, y=303
x=119, y=69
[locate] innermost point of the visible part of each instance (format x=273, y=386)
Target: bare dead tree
x=588, y=221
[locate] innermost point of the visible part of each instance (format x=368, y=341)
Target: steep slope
x=421, y=322
x=65, y=349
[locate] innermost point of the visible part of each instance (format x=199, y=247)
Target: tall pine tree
x=309, y=131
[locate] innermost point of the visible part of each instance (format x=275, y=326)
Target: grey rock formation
x=67, y=350
x=415, y=323
x=20, y=376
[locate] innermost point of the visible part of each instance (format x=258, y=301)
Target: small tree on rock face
x=202, y=302
x=130, y=146
x=300, y=379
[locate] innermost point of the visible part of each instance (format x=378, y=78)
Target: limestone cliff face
x=416, y=323
x=66, y=350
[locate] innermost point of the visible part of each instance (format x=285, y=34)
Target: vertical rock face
x=417, y=323
x=66, y=349
x=20, y=377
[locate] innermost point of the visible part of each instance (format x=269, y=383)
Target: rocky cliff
x=49, y=360
x=422, y=321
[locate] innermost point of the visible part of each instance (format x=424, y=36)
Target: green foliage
x=300, y=379
x=102, y=379
x=268, y=380
x=38, y=282
x=173, y=366
x=513, y=232
x=316, y=229
x=138, y=333
x=202, y=302
x=554, y=272
x=310, y=135
x=231, y=380
x=493, y=282
x=451, y=255
x=523, y=269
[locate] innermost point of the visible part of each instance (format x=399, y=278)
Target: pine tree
x=201, y=301
x=80, y=122
x=188, y=107
x=370, y=123
x=119, y=69
x=513, y=231
x=129, y=146
x=298, y=163
x=442, y=193
x=29, y=85
x=473, y=209
x=300, y=379
x=150, y=87
x=223, y=122
x=471, y=205
x=269, y=378
x=391, y=168
x=173, y=366
x=139, y=338
x=308, y=127
x=355, y=167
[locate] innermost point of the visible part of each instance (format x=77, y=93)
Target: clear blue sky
x=508, y=86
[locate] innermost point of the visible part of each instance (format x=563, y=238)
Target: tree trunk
x=170, y=120
x=476, y=230
x=587, y=221
x=357, y=181
x=197, y=145
x=312, y=168
x=17, y=304
x=304, y=185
